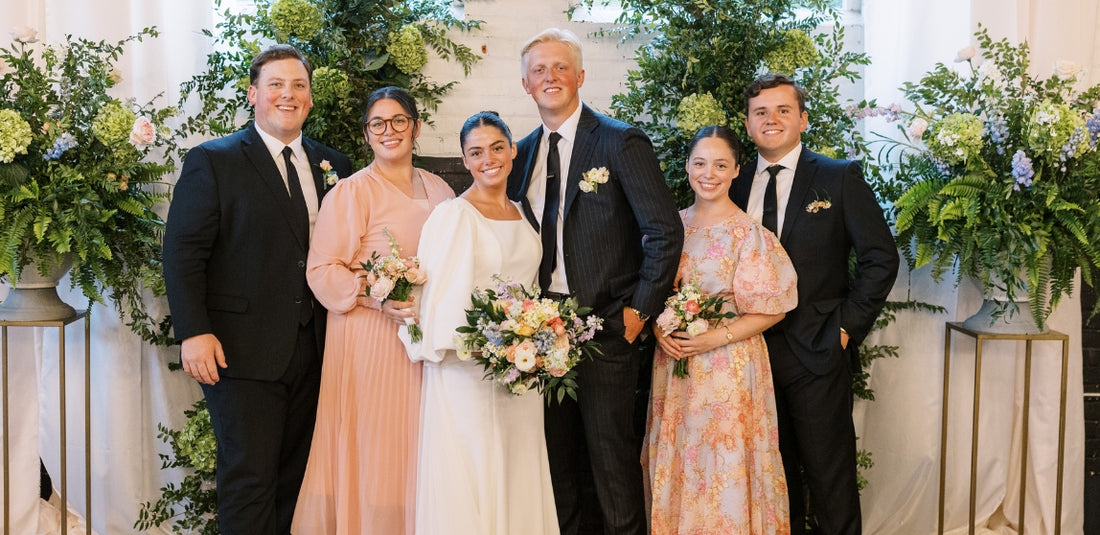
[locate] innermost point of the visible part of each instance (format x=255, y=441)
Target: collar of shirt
x=783, y=182
x=275, y=147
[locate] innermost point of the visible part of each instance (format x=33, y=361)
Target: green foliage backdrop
x=355, y=46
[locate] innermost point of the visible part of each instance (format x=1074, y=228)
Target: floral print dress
x=712, y=443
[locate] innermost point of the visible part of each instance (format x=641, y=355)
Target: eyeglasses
x=398, y=123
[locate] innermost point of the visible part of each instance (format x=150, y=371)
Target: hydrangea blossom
x=696, y=111
x=296, y=18
x=1021, y=170
x=796, y=50
x=957, y=138
x=407, y=50
x=1050, y=128
x=330, y=86
x=113, y=123
x=15, y=135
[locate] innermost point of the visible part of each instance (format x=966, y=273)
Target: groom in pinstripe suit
x=593, y=249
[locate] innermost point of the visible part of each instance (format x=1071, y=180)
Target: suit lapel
x=256, y=152
x=803, y=180
x=313, y=154
x=583, y=148
x=528, y=162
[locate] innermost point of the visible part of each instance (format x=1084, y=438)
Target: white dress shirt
x=301, y=164
x=536, y=192
x=783, y=182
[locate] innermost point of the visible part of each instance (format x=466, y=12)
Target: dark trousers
x=602, y=420
x=264, y=430
x=817, y=440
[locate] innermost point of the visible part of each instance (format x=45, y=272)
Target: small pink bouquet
x=524, y=341
x=691, y=311
x=393, y=277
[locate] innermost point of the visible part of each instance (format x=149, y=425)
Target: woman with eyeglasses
x=361, y=474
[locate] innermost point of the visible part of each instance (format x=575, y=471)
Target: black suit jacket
x=608, y=264
x=819, y=244
x=233, y=264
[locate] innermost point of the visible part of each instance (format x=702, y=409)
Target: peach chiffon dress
x=360, y=478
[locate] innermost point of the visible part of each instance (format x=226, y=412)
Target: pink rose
x=381, y=288
x=416, y=275
x=692, y=307
x=143, y=133
x=918, y=127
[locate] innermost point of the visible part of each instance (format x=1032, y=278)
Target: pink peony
x=381, y=288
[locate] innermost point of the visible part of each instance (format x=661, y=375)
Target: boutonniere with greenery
x=819, y=204
x=329, y=173
x=593, y=178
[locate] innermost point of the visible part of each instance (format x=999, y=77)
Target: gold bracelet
x=729, y=335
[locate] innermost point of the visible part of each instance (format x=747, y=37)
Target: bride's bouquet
x=524, y=341
x=393, y=277
x=691, y=311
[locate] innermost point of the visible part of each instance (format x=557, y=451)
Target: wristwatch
x=729, y=335
x=641, y=315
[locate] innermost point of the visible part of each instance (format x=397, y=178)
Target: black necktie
x=771, y=209
x=300, y=215
x=297, y=200
x=549, y=226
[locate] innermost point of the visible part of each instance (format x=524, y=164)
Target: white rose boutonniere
x=330, y=174
x=593, y=178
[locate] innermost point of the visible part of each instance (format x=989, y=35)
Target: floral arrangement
x=691, y=311
x=355, y=47
x=393, y=277
x=80, y=171
x=797, y=49
x=524, y=341
x=999, y=174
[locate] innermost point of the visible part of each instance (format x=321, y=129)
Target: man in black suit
x=234, y=264
x=822, y=210
x=593, y=249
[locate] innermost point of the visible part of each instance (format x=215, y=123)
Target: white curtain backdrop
x=133, y=390
x=902, y=427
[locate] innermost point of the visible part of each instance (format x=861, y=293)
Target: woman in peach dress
x=712, y=443
x=360, y=478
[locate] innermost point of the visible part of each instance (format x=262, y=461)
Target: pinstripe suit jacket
x=608, y=263
x=819, y=242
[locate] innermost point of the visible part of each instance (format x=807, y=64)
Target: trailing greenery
x=80, y=172
x=997, y=173
x=192, y=505
x=695, y=59
x=355, y=46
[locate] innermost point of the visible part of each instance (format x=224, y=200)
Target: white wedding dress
x=482, y=463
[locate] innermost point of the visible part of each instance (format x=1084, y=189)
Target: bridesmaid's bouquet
x=524, y=341
x=691, y=311
x=393, y=277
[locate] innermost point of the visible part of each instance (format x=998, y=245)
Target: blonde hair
x=551, y=35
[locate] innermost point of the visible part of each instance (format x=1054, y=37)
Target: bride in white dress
x=482, y=463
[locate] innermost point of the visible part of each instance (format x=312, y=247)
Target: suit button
x=301, y=264
x=297, y=300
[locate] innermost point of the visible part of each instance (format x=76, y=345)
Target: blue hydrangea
x=1021, y=170
x=63, y=143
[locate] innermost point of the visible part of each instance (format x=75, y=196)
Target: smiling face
x=488, y=155
x=774, y=122
x=281, y=97
x=553, y=77
x=391, y=145
x=711, y=168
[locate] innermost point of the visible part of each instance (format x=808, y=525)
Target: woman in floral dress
x=712, y=443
